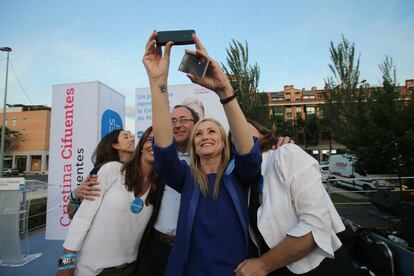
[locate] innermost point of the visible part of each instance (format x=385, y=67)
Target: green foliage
x=12, y=138
x=283, y=127
x=311, y=128
x=345, y=68
x=244, y=79
x=374, y=124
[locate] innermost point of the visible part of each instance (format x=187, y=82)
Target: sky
x=57, y=41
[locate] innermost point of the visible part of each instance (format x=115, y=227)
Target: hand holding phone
x=194, y=65
x=182, y=37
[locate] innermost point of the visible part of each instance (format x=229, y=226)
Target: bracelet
x=66, y=267
x=69, y=255
x=228, y=99
x=74, y=196
x=67, y=261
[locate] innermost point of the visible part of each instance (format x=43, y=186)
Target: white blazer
x=295, y=203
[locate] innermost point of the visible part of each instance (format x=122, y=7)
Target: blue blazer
x=178, y=175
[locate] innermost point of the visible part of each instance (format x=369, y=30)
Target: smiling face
x=126, y=142
x=183, y=123
x=208, y=140
x=147, y=153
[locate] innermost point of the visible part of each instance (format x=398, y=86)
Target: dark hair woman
x=107, y=231
x=118, y=145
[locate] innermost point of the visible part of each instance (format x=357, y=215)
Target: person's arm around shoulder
x=288, y=250
x=89, y=188
x=294, y=165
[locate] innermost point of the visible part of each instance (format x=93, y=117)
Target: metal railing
x=357, y=195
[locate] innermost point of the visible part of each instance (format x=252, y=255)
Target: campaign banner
x=205, y=102
x=82, y=113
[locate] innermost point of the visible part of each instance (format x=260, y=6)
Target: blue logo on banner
x=110, y=121
x=139, y=133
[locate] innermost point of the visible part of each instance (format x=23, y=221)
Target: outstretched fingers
x=167, y=50
x=198, y=44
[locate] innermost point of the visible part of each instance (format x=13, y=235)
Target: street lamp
x=3, y=126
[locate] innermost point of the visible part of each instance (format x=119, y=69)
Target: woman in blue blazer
x=212, y=232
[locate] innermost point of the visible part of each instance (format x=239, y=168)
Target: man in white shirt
x=158, y=239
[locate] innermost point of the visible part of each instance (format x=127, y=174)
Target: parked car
x=10, y=172
x=347, y=172
x=324, y=169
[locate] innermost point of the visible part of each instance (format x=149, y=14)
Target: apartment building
x=31, y=153
x=293, y=103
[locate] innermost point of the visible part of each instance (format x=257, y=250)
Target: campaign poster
x=205, y=102
x=82, y=113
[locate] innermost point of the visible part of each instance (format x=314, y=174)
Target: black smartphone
x=194, y=65
x=182, y=37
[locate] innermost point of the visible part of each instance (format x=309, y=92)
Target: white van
x=344, y=171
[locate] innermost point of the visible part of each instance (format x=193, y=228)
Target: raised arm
x=157, y=70
x=217, y=81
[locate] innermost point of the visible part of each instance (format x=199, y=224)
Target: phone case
x=194, y=65
x=182, y=37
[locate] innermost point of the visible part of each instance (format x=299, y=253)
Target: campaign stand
x=14, y=214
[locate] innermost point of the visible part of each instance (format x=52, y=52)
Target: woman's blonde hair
x=199, y=176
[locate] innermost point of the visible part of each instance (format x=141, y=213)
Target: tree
x=311, y=129
x=374, y=124
x=244, y=79
x=344, y=100
x=12, y=139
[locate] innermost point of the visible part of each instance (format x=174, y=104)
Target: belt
x=163, y=237
x=116, y=268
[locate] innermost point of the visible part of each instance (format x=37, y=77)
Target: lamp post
x=3, y=126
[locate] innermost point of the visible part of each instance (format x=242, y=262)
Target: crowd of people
x=193, y=200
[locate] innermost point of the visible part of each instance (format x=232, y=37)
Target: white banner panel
x=81, y=114
x=202, y=100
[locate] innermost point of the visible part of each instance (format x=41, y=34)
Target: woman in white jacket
x=293, y=221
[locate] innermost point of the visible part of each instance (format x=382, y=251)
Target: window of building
x=21, y=161
x=36, y=163
x=310, y=110
x=13, y=121
x=288, y=115
x=287, y=96
x=278, y=110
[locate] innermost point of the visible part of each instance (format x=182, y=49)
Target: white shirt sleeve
x=84, y=216
x=303, y=179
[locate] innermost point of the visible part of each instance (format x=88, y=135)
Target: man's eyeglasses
x=182, y=120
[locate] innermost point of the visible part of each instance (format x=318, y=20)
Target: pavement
x=353, y=194
x=45, y=265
